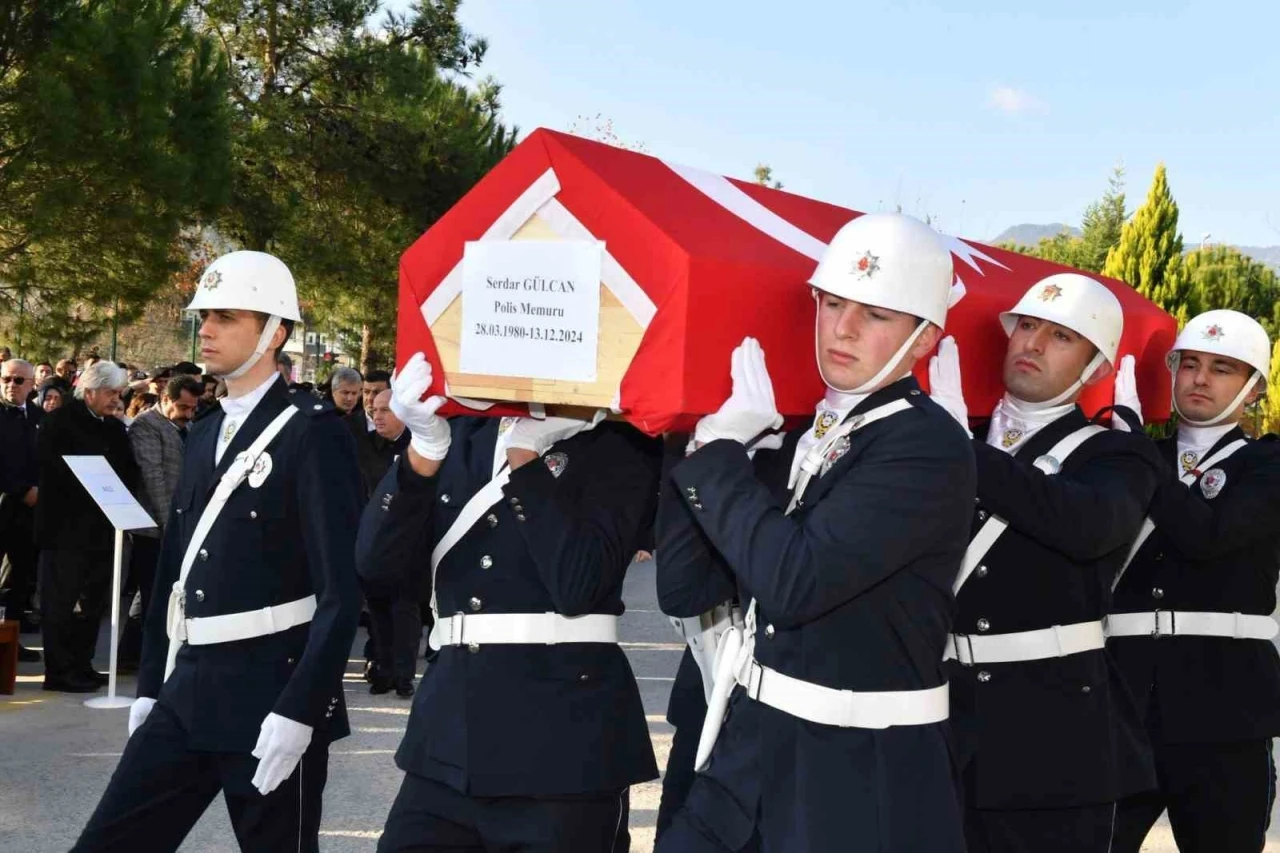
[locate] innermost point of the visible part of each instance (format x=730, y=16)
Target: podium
x=125, y=513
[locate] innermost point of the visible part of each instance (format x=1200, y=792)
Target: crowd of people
x=909, y=628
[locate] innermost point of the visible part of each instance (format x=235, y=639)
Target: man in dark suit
x=1191, y=625
x=19, y=478
x=1048, y=734
x=244, y=694
x=528, y=728
x=75, y=538
x=157, y=437
x=395, y=621
x=830, y=705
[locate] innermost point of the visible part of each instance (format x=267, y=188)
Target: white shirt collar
x=1014, y=421
x=239, y=407
x=368, y=422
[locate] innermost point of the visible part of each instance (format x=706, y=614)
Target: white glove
x=281, y=744
x=944, y=381
x=429, y=433
x=1126, y=392
x=539, y=434
x=138, y=712
x=750, y=409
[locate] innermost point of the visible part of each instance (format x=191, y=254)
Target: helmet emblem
x=211, y=280
x=1214, y=333
x=1050, y=293
x=866, y=266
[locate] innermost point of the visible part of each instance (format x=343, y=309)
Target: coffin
x=688, y=264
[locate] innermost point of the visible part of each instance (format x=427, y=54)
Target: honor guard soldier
x=1191, y=625
x=826, y=727
x=528, y=729
x=240, y=685
x=1047, y=733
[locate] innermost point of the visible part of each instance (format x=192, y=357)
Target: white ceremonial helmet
x=1226, y=333
x=893, y=261
x=249, y=281
x=1083, y=305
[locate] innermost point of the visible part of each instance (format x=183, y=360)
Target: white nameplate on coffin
x=531, y=308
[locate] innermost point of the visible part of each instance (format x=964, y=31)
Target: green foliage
x=1149, y=254
x=763, y=175
x=1100, y=232
x=349, y=141
x=113, y=136
x=1221, y=277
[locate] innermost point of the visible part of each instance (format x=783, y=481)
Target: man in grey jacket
x=157, y=437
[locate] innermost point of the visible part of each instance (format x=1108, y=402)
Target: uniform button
x=984, y=676
x=982, y=515
x=444, y=499
x=179, y=510
x=769, y=632
x=486, y=562
x=253, y=513
x=519, y=516
x=1086, y=689
x=204, y=555
x=982, y=571
x=473, y=647
x=199, y=595
x=583, y=677
x=318, y=407
x=475, y=603
x=1160, y=557
x=514, y=502
x=977, y=500
x=984, y=625
x=1157, y=593
x=492, y=519
x=518, y=508
x=292, y=661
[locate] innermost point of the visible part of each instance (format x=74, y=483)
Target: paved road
x=56, y=755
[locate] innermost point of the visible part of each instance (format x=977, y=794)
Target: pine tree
x=1149, y=254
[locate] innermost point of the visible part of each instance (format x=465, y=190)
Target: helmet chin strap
x=1225, y=413
x=889, y=366
x=264, y=340
x=1093, y=365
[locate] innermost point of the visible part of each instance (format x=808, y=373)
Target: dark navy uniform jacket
x=1222, y=555
x=520, y=719
x=853, y=592
x=291, y=537
x=1063, y=731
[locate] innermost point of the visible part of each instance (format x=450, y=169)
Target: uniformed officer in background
x=1048, y=735
x=843, y=544
x=1191, y=618
x=528, y=729
x=240, y=686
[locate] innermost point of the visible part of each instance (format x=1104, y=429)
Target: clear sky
x=983, y=114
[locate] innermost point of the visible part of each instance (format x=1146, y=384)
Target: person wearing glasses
x=18, y=476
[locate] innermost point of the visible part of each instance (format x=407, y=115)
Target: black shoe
x=380, y=685
x=404, y=687
x=370, y=671
x=71, y=684
x=99, y=678
x=26, y=655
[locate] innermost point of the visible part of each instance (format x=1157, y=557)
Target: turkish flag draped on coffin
x=692, y=263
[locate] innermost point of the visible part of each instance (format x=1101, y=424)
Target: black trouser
x=686, y=833
x=1079, y=829
x=67, y=577
x=143, y=558
x=161, y=788
x=18, y=550
x=679, y=775
x=1219, y=797
x=395, y=630
x=430, y=817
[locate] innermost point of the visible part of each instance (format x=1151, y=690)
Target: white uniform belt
x=1042, y=644
x=1184, y=623
x=850, y=709
x=229, y=627
x=523, y=628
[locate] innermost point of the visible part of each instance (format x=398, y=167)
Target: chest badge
x=1010, y=437
x=839, y=449
x=505, y=425
x=826, y=420
x=229, y=431
x=556, y=463
x=261, y=469
x=1188, y=460
x=1213, y=482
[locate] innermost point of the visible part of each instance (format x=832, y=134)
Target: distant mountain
x=1031, y=235
x=1269, y=255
